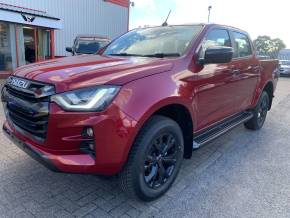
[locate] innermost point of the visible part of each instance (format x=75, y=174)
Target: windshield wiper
x=156, y=55
x=124, y=54
x=162, y=55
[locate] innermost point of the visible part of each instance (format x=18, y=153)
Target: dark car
x=87, y=44
x=142, y=105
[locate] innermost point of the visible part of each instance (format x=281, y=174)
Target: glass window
x=171, y=41
x=29, y=44
x=21, y=45
x=89, y=45
x=285, y=63
x=5, y=48
x=46, y=42
x=242, y=46
x=216, y=37
x=43, y=44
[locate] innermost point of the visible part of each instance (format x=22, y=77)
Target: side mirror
x=218, y=55
x=69, y=49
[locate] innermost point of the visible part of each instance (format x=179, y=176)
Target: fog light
x=88, y=132
x=92, y=146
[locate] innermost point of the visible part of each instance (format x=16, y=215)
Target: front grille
x=28, y=109
x=20, y=94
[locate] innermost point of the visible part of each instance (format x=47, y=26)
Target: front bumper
x=61, y=150
x=28, y=149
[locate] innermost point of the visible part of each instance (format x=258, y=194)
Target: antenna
x=165, y=23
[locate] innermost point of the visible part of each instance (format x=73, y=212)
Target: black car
x=87, y=44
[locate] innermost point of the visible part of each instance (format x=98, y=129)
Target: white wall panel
x=80, y=17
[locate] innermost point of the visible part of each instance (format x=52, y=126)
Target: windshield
x=285, y=63
x=89, y=46
x=171, y=41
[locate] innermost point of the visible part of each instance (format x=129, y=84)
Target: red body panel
x=90, y=70
x=113, y=127
x=210, y=93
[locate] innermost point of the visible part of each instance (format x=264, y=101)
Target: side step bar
x=219, y=129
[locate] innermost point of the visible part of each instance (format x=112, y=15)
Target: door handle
x=236, y=72
x=255, y=68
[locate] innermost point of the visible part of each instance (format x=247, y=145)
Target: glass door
x=30, y=43
x=33, y=44
x=7, y=47
x=43, y=45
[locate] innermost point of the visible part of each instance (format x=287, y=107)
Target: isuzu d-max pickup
x=142, y=105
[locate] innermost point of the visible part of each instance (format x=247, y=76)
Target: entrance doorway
x=23, y=44
x=29, y=44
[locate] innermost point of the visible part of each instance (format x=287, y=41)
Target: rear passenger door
x=246, y=69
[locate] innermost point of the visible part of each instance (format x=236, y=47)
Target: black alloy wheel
x=262, y=111
x=259, y=112
x=161, y=160
x=154, y=160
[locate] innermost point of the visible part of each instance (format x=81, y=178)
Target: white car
x=284, y=67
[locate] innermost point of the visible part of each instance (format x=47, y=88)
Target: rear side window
x=242, y=46
x=216, y=37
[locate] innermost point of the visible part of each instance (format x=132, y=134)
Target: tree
x=264, y=44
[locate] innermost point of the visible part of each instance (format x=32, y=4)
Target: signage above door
x=28, y=18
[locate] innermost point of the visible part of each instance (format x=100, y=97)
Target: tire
x=260, y=113
x=149, y=160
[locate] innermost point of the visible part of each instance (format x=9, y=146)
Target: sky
x=258, y=17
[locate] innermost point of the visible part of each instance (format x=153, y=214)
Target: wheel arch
x=269, y=88
x=178, y=112
x=181, y=115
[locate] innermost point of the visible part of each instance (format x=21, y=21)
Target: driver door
x=215, y=96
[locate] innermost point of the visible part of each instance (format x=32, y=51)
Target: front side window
x=242, y=46
x=170, y=41
x=216, y=37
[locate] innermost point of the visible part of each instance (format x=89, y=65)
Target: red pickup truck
x=143, y=104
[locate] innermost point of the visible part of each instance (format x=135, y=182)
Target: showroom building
x=32, y=31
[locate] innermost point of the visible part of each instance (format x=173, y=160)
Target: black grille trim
x=22, y=95
x=26, y=111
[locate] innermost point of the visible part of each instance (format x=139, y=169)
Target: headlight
x=89, y=99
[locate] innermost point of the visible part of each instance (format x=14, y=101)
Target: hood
x=88, y=70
